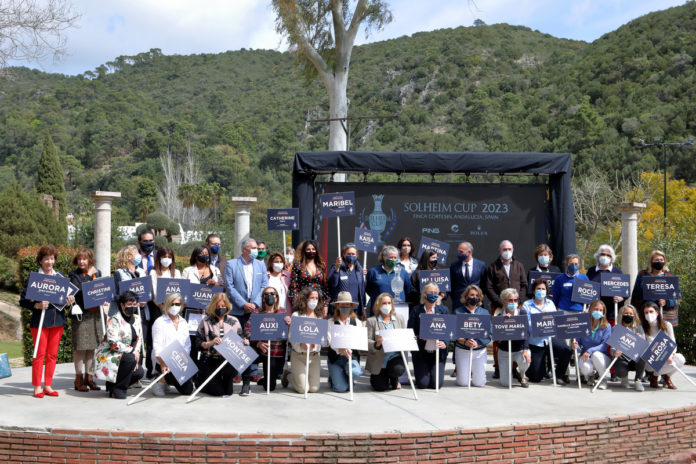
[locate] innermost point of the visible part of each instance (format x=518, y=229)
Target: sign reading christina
x=338, y=204
x=543, y=324
x=616, y=285
x=585, y=291
x=430, y=244
x=627, y=341
x=440, y=277
x=142, y=286
x=235, y=352
x=309, y=330
x=473, y=326
x=283, y=219
x=572, y=325
x=510, y=328
x=179, y=362
x=269, y=326
x=98, y=292
x=438, y=327
x=661, y=288
x=166, y=286
x=201, y=294
x=44, y=287
x=366, y=240
x=659, y=351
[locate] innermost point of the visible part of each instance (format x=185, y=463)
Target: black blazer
x=414, y=323
x=78, y=278
x=53, y=318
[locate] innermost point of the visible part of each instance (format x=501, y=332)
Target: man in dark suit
x=465, y=271
x=148, y=255
x=212, y=243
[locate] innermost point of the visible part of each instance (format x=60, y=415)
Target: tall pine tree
x=50, y=181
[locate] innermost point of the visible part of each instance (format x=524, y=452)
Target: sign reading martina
x=510, y=328
x=438, y=327
x=430, y=244
x=235, y=352
x=585, y=291
x=44, y=287
x=366, y=240
x=338, y=204
x=283, y=219
x=627, y=341
x=98, y=291
x=309, y=330
x=441, y=277
x=201, y=294
x=616, y=285
x=142, y=286
x=269, y=326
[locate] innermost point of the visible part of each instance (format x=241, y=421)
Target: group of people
x=298, y=282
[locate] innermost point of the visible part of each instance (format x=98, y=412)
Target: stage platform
x=539, y=424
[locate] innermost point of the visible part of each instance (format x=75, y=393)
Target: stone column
x=629, y=238
x=242, y=214
x=102, y=229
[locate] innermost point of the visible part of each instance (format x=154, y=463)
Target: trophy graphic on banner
x=377, y=219
x=397, y=284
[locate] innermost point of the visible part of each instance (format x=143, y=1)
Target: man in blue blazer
x=466, y=271
x=245, y=279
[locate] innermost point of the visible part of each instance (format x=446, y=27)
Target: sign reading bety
x=366, y=240
x=269, y=326
x=585, y=291
x=98, y=291
x=44, y=287
x=166, y=286
x=309, y=330
x=142, y=286
x=437, y=327
x=476, y=326
x=201, y=294
x=283, y=219
x=338, y=204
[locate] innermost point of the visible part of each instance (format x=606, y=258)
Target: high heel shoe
x=50, y=393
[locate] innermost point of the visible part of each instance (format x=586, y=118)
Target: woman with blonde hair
x=424, y=361
x=385, y=368
x=167, y=328
x=657, y=267
x=628, y=317
x=594, y=348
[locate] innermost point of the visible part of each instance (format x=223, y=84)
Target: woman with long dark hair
x=309, y=270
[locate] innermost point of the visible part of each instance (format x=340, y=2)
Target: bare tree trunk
x=167, y=194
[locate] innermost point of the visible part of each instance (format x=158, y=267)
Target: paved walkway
x=326, y=412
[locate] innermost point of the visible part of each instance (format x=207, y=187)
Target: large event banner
x=179, y=362
x=659, y=351
x=98, y=291
x=44, y=287
x=142, y=286
x=483, y=214
x=627, y=341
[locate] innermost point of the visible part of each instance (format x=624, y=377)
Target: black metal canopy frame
x=556, y=165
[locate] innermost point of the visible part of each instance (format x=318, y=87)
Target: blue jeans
x=338, y=373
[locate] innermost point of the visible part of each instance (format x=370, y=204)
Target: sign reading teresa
x=659, y=351
x=440, y=277
x=366, y=240
x=309, y=330
x=473, y=326
x=661, y=288
x=430, y=244
x=166, y=286
x=543, y=324
x=235, y=352
x=142, y=286
x=510, y=328
x=616, y=285
x=201, y=294
x=585, y=291
x=338, y=204
x=572, y=325
x=269, y=326
x=179, y=362
x=627, y=341
x=44, y=287
x=283, y=219
x=438, y=327
x=98, y=291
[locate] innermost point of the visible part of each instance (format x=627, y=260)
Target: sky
x=111, y=28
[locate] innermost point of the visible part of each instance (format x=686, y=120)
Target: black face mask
x=432, y=262
x=203, y=259
x=627, y=319
x=128, y=311
x=269, y=299
x=658, y=265
x=310, y=254
x=148, y=246
x=472, y=301
x=219, y=312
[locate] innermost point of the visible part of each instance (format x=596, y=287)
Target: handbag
x=5, y=370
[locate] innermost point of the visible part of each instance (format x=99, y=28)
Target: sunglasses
x=351, y=245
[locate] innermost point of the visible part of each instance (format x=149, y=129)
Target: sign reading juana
x=201, y=294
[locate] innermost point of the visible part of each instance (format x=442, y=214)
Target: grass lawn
x=13, y=349
x=9, y=297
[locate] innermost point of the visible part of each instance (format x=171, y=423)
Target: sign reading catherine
x=337, y=204
x=269, y=327
x=438, y=327
x=430, y=244
x=572, y=325
x=179, y=362
x=51, y=288
x=543, y=324
x=473, y=326
x=661, y=288
x=616, y=285
x=201, y=294
x=98, y=292
x=349, y=337
x=510, y=328
x=585, y=291
x=366, y=240
x=142, y=286
x=166, y=286
x=235, y=352
x=440, y=277
x=659, y=351
x=627, y=341
x=309, y=330
x=283, y=219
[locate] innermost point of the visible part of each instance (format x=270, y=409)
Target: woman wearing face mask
x=563, y=286
x=348, y=276
x=215, y=325
x=165, y=266
x=605, y=258
x=628, y=317
x=428, y=262
x=652, y=324
x=308, y=272
x=307, y=304
x=424, y=359
x=385, y=368
x=407, y=255
x=657, y=267
x=200, y=271
x=466, y=348
x=279, y=278
x=543, y=256
x=519, y=349
x=119, y=352
x=170, y=327
x=594, y=348
x=338, y=360
x=289, y=258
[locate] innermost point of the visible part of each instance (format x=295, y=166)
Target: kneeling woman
x=652, y=324
x=594, y=348
x=212, y=329
x=118, y=354
x=307, y=304
x=386, y=368
x=629, y=319
x=170, y=327
x=338, y=360
x=464, y=348
x=424, y=359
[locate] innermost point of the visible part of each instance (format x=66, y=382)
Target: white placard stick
x=410, y=380
x=437, y=367
x=210, y=377
x=38, y=334
x=364, y=259
x=306, y=376
x=509, y=365
x=268, y=366
x=350, y=375
x=160, y=377
x=103, y=322
x=577, y=366
x=285, y=244
x=338, y=233
x=553, y=366
x=685, y=376
x=142, y=345
x=471, y=363
x=616, y=312
x=604, y=374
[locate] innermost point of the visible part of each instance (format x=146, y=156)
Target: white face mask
x=651, y=317
x=604, y=260
x=406, y=249
x=277, y=267
x=289, y=258
x=506, y=255
x=312, y=304
x=166, y=262
x=385, y=309
x=174, y=309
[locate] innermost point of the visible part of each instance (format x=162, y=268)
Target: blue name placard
x=142, y=286
x=194, y=318
x=473, y=326
x=438, y=327
x=98, y=292
x=585, y=291
x=366, y=240
x=179, y=362
x=627, y=341
x=309, y=330
x=546, y=276
x=659, y=351
x=661, y=288
x=441, y=248
x=44, y=287
x=269, y=326
x=543, y=324
x=572, y=325
x=166, y=286
x=510, y=328
x=441, y=277
x=235, y=352
x=283, y=219
x=337, y=204
x=616, y=285
x=201, y=294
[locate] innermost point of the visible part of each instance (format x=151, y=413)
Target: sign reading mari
x=543, y=324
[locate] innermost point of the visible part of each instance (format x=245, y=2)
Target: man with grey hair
x=245, y=279
x=465, y=271
x=605, y=258
x=380, y=277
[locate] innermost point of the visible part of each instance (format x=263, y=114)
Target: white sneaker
x=639, y=386
x=136, y=385
x=158, y=389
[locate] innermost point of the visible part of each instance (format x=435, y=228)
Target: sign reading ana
x=661, y=288
x=283, y=219
x=98, y=291
x=235, y=352
x=616, y=285
x=309, y=330
x=179, y=362
x=201, y=294
x=438, y=327
x=142, y=286
x=430, y=244
x=476, y=326
x=627, y=341
x=585, y=291
x=51, y=288
x=510, y=328
x=366, y=240
x=543, y=324
x=337, y=204
x=269, y=326
x=659, y=351
x=166, y=286
x=441, y=277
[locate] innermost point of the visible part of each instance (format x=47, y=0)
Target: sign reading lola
x=338, y=204
x=585, y=291
x=283, y=219
x=142, y=286
x=44, y=287
x=309, y=330
x=98, y=292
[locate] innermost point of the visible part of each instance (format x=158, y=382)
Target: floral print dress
x=299, y=279
x=116, y=342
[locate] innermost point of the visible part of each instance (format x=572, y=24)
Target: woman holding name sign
x=307, y=304
x=308, y=271
x=212, y=329
x=424, y=359
x=87, y=327
x=594, y=349
x=652, y=324
x=279, y=278
x=170, y=327
x=200, y=271
x=657, y=267
x=467, y=348
x=519, y=352
x=165, y=266
x=605, y=258
x=428, y=262
x=563, y=286
x=343, y=314
x=348, y=276
x=385, y=368
x=628, y=317
x=51, y=329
